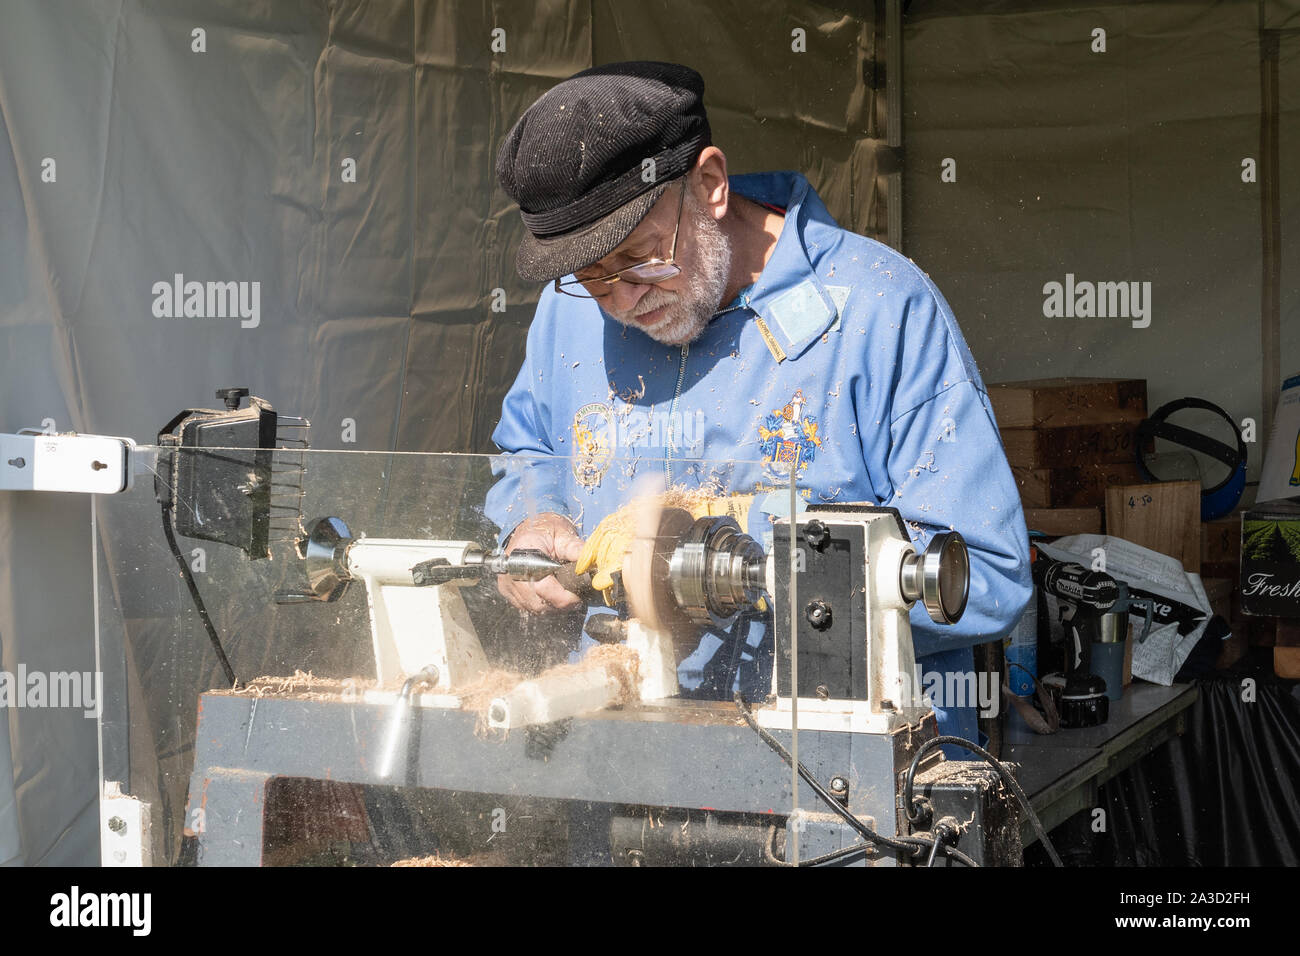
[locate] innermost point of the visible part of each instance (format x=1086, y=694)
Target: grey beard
x=689, y=312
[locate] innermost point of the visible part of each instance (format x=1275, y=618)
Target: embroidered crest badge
x=788, y=440
x=593, y=443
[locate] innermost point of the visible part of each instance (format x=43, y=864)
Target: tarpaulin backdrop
x=1107, y=141
x=1225, y=793
x=216, y=141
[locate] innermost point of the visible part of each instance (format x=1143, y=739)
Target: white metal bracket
x=90, y=464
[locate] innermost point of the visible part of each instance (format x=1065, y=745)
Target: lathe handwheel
x=939, y=577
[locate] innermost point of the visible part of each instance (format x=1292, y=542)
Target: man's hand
x=556, y=536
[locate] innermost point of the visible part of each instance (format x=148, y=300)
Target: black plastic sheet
x=1225, y=793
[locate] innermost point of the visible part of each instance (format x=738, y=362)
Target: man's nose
x=625, y=295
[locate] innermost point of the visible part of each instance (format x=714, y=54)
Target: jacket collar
x=794, y=304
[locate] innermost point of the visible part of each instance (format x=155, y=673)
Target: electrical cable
x=911, y=846
x=770, y=856
x=163, y=435
x=997, y=765
x=835, y=855
x=921, y=844
x=197, y=598
x=951, y=851
x=934, y=851
x=743, y=706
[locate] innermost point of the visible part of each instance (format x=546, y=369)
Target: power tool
x=1084, y=597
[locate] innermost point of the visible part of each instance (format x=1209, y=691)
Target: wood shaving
x=479, y=693
x=489, y=858
x=619, y=661
x=303, y=685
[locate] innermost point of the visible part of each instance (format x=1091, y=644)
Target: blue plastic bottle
x=1021, y=651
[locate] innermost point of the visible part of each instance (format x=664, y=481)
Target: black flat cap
x=574, y=162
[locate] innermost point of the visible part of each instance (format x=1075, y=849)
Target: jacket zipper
x=672, y=417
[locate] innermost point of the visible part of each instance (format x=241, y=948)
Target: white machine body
x=414, y=627
x=123, y=828
x=893, y=696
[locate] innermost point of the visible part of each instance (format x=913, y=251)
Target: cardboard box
x=1270, y=559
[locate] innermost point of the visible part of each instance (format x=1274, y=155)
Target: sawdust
x=303, y=685
x=619, y=661
x=479, y=693
x=489, y=858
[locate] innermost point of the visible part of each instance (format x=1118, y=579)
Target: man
x=722, y=332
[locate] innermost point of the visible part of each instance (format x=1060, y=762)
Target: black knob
x=816, y=534
x=231, y=397
x=819, y=614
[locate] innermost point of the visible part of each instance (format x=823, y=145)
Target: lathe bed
x=683, y=758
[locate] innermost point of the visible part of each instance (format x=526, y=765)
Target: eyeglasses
x=643, y=273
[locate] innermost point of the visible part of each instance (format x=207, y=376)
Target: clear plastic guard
x=390, y=704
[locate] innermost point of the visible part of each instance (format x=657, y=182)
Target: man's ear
x=711, y=187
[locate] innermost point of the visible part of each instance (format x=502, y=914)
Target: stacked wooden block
x=1068, y=440
x=1071, y=444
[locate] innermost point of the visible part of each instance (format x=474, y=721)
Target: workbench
x=1061, y=772
x=244, y=742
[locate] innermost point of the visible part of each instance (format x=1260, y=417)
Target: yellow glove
x=603, y=551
